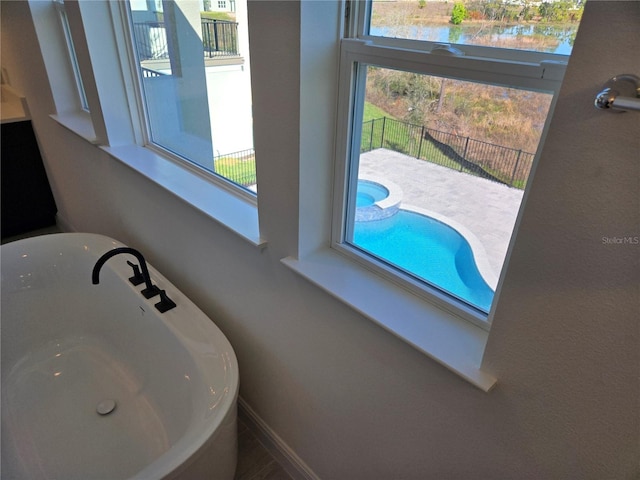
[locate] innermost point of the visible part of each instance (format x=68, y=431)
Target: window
x=64, y=21
x=436, y=143
x=195, y=80
x=147, y=98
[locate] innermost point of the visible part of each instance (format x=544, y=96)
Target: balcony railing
x=219, y=39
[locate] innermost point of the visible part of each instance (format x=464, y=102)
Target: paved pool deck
x=488, y=209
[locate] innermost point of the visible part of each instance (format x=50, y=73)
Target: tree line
x=562, y=11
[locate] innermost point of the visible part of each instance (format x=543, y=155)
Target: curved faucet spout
x=150, y=289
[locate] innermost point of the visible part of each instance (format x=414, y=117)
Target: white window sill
x=14, y=106
x=237, y=214
x=451, y=341
x=229, y=210
x=79, y=123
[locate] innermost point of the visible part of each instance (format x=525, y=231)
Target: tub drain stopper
x=105, y=407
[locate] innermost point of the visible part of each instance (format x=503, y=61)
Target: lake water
x=558, y=40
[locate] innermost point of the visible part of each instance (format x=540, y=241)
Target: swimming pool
x=429, y=249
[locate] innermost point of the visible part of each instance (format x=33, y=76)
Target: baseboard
x=294, y=466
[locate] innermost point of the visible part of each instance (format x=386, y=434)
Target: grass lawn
x=240, y=171
x=371, y=112
x=218, y=16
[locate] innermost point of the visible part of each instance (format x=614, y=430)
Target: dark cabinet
x=27, y=201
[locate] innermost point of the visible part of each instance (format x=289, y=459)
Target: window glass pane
x=524, y=25
x=439, y=179
x=72, y=54
x=196, y=79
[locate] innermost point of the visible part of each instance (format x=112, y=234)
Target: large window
x=437, y=141
x=193, y=70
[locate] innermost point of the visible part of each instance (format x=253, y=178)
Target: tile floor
x=254, y=460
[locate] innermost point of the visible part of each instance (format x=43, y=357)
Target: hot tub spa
x=376, y=199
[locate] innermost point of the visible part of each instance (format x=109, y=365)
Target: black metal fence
x=493, y=162
x=239, y=167
x=219, y=39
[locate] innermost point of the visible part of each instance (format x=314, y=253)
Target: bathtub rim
x=194, y=443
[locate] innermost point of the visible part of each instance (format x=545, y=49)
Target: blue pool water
x=428, y=249
x=369, y=193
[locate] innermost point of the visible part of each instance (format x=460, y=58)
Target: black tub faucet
x=150, y=290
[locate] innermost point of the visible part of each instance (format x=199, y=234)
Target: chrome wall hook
x=621, y=92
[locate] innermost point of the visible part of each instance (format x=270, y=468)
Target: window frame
x=518, y=69
x=136, y=98
x=358, y=25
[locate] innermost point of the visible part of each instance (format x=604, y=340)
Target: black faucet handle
x=151, y=291
x=165, y=302
x=137, y=278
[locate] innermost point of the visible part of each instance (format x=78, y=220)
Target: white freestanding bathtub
x=96, y=383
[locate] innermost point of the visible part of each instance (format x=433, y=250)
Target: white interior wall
x=351, y=400
x=565, y=342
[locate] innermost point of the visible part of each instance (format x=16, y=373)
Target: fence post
x=384, y=125
x=515, y=167
x=373, y=125
x=215, y=35
x=420, y=145
x=466, y=147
